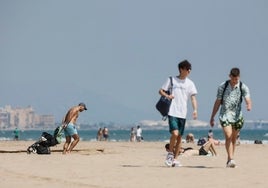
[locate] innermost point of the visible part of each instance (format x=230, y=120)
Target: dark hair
x=185, y=65
x=235, y=72
x=167, y=146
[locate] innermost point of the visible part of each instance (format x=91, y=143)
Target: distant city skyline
x=24, y=118
x=115, y=55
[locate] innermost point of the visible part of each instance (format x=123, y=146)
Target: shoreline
x=246, y=136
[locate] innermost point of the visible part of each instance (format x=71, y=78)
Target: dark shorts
x=106, y=136
x=236, y=125
x=176, y=124
x=202, y=151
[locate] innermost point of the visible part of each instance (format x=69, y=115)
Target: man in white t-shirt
x=182, y=90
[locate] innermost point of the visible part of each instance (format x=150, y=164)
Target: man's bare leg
x=178, y=147
x=74, y=143
x=234, y=138
x=66, y=144
x=172, y=141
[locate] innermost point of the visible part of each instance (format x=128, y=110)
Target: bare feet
x=66, y=152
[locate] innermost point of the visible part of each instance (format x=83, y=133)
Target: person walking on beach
x=183, y=89
x=138, y=134
x=229, y=97
x=132, y=135
x=105, y=133
x=70, y=131
x=99, y=134
x=16, y=134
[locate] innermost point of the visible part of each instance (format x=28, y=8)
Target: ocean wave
x=5, y=139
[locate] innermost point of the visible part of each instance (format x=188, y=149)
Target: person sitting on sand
x=211, y=137
x=204, y=150
x=190, y=138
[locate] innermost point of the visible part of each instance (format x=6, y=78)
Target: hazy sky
x=114, y=55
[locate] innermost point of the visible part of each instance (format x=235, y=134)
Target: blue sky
x=115, y=55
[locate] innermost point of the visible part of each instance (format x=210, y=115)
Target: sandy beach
x=132, y=165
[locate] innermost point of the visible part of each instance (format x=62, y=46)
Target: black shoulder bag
x=164, y=103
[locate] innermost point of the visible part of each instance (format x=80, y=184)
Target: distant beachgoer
x=201, y=141
x=211, y=137
x=138, y=134
x=16, y=134
x=183, y=90
x=70, y=131
x=210, y=133
x=132, y=135
x=229, y=97
x=105, y=133
x=99, y=134
x=257, y=142
x=190, y=138
x=238, y=139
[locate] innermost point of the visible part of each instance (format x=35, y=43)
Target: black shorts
x=105, y=135
x=202, y=151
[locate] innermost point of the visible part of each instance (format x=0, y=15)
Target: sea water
x=149, y=135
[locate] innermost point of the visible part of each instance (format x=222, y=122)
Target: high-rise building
x=23, y=118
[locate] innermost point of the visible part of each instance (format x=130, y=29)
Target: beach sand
x=128, y=165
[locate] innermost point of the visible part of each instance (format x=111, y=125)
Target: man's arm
x=248, y=103
x=194, y=105
x=214, y=111
x=163, y=93
x=71, y=114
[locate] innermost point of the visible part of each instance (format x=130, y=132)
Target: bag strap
x=171, y=84
x=225, y=86
x=241, y=96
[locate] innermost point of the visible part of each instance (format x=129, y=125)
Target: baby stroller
x=42, y=146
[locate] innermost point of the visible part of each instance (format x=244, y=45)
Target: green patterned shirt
x=231, y=107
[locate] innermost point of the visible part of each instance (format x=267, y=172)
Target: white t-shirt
x=182, y=90
x=139, y=131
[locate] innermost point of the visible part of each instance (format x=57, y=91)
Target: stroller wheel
x=31, y=150
x=34, y=151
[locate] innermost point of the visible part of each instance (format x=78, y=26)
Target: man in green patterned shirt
x=229, y=97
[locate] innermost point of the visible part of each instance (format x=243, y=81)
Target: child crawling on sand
x=205, y=149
